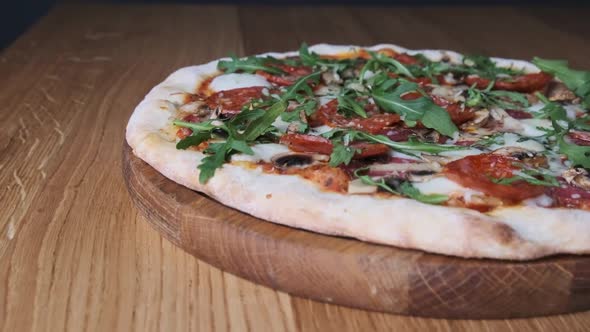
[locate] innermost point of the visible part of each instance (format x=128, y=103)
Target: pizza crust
x=516, y=233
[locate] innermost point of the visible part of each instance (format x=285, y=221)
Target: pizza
x=462, y=155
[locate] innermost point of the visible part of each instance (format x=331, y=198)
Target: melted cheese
x=444, y=186
x=529, y=127
x=262, y=152
x=513, y=140
x=236, y=81
x=457, y=154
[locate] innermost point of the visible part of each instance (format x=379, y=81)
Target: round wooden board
x=350, y=272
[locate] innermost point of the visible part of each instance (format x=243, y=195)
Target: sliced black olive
x=292, y=160
x=220, y=133
x=423, y=172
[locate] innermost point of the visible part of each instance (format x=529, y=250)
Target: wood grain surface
x=74, y=252
x=350, y=272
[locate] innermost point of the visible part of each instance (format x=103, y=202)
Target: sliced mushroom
x=286, y=160
x=357, y=186
x=420, y=176
x=328, y=90
x=528, y=157
x=578, y=177
x=558, y=91
x=195, y=107
x=481, y=118
x=331, y=77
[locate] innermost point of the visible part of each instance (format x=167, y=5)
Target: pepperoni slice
x=459, y=114
x=522, y=83
x=580, y=137
x=307, y=143
x=184, y=132
x=321, y=145
x=477, y=171
x=518, y=114
x=231, y=101
x=293, y=73
x=569, y=197
x=375, y=123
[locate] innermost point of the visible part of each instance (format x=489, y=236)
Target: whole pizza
x=461, y=155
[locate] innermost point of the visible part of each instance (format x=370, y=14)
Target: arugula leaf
x=483, y=66
x=200, y=126
x=301, y=85
x=261, y=124
x=407, y=147
x=534, y=176
x=576, y=80
x=420, y=109
x=407, y=189
x=195, y=139
x=341, y=154
x=403, y=188
x=391, y=63
x=347, y=103
x=497, y=138
x=577, y=154
x=248, y=65
x=488, y=98
x=551, y=110
x=218, y=154
x=582, y=123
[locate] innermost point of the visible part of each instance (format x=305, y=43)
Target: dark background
x=17, y=16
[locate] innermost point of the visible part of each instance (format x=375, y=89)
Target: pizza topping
x=496, y=175
x=577, y=177
x=236, y=81
x=292, y=160
x=521, y=83
x=231, y=102
x=467, y=133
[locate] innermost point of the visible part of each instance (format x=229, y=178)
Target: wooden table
x=75, y=254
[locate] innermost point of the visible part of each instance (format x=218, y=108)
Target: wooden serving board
x=350, y=272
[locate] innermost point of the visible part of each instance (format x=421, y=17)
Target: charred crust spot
x=329, y=182
x=504, y=233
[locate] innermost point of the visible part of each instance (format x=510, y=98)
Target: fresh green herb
x=497, y=138
x=194, y=139
x=576, y=80
x=206, y=125
x=420, y=109
x=401, y=188
x=246, y=127
x=301, y=85
x=582, y=123
x=248, y=65
x=348, y=105
x=534, y=176
x=483, y=66
x=379, y=61
x=390, y=63
x=551, y=110
x=489, y=98
x=408, y=190
x=409, y=147
x=341, y=154
x=577, y=154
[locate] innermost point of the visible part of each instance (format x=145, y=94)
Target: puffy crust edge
x=515, y=233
